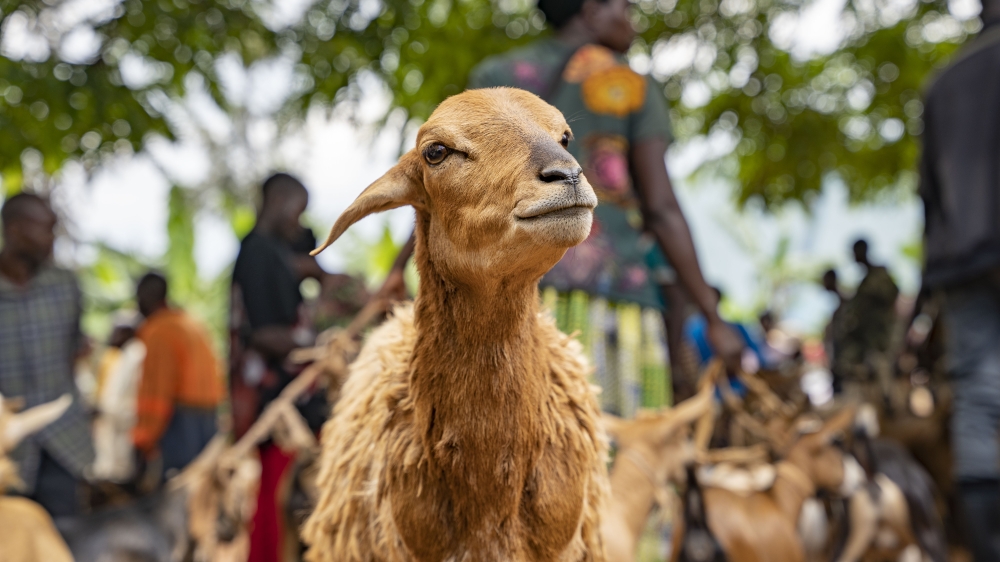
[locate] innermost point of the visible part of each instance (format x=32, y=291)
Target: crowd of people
x=626, y=291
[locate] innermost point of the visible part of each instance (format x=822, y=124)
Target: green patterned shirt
x=610, y=108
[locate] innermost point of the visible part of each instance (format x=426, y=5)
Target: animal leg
x=864, y=525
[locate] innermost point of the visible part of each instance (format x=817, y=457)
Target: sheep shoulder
x=371, y=435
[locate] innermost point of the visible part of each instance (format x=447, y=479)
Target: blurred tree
x=81, y=79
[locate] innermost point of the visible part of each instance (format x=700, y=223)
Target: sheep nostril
x=552, y=175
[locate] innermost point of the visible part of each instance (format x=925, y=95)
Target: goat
x=896, y=513
x=652, y=451
x=467, y=429
x=762, y=526
x=27, y=533
x=202, y=512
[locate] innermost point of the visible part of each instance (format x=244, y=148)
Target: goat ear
x=398, y=187
x=32, y=421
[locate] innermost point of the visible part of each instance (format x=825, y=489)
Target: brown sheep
x=467, y=429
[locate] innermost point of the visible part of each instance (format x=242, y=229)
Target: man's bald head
x=28, y=227
x=151, y=293
x=281, y=186
x=23, y=206
x=284, y=200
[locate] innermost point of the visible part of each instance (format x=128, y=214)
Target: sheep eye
x=436, y=153
x=565, y=140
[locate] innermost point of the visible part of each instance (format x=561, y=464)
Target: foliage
x=854, y=112
x=796, y=118
x=728, y=67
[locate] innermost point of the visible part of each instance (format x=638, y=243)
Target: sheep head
x=490, y=173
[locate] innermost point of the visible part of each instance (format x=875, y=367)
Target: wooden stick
x=339, y=340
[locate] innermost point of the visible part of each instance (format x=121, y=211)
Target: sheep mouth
x=575, y=211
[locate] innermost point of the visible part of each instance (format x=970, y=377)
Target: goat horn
x=33, y=420
x=394, y=189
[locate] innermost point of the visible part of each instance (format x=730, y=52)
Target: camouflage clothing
x=862, y=328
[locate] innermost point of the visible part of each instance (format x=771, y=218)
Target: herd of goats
x=525, y=453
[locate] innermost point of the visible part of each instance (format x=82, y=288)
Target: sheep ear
x=399, y=186
x=33, y=420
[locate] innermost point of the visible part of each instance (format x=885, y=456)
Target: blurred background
x=152, y=125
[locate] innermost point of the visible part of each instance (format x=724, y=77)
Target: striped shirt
x=39, y=340
x=180, y=369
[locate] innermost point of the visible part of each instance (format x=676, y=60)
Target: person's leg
x=56, y=489
x=973, y=326
x=190, y=429
x=267, y=529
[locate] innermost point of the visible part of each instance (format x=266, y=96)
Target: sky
x=124, y=203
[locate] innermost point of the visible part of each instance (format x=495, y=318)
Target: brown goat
x=762, y=526
x=652, y=453
x=467, y=429
x=27, y=533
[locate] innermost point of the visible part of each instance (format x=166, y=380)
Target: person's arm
x=274, y=341
x=155, y=399
x=307, y=267
x=664, y=218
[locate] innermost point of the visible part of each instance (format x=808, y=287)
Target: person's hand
x=727, y=344
x=394, y=288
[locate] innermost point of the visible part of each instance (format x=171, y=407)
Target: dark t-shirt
x=265, y=293
x=960, y=169
x=267, y=282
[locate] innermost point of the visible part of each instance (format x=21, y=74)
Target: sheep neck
x=477, y=381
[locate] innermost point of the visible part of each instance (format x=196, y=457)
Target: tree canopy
x=82, y=79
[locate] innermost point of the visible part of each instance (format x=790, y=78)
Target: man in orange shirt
x=181, y=387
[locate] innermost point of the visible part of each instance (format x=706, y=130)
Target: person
x=40, y=339
x=181, y=385
x=869, y=321
x=776, y=347
x=118, y=387
x=833, y=334
x=268, y=322
x=960, y=188
x=603, y=287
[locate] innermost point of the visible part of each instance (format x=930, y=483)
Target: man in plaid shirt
x=40, y=338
